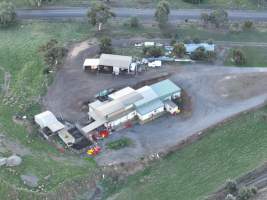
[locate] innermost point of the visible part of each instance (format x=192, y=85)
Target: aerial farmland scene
x=133, y=99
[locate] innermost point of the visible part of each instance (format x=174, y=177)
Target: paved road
x=181, y=14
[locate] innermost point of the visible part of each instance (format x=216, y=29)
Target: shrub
x=231, y=187
x=152, y=51
x=179, y=50
x=210, y=41
x=239, y=57
x=53, y=53
x=119, y=144
x=247, y=25
x=196, y=40
x=105, y=45
x=7, y=14
x=187, y=40
x=244, y=194
x=134, y=22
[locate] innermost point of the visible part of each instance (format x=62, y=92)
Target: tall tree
x=105, y=45
x=162, y=12
x=7, y=14
x=179, y=50
x=99, y=14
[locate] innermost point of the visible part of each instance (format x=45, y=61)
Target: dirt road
x=217, y=93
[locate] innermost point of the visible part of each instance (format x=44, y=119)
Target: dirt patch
x=242, y=86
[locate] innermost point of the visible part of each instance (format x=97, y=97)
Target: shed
x=166, y=89
x=190, y=48
x=115, y=61
x=91, y=63
x=48, y=120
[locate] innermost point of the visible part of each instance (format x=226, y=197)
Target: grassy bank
x=19, y=56
x=227, y=151
x=255, y=56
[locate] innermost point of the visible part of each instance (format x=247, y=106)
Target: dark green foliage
x=245, y=194
x=134, y=22
x=218, y=18
x=231, y=187
x=53, y=54
x=187, y=40
x=203, y=55
x=7, y=14
x=210, y=41
x=196, y=40
x=105, y=45
x=99, y=14
x=239, y=57
x=247, y=25
x=119, y=144
x=152, y=51
x=162, y=12
x=179, y=50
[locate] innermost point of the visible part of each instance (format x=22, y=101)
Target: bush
x=187, y=40
x=152, y=51
x=196, y=40
x=231, y=187
x=179, y=50
x=7, y=14
x=119, y=144
x=53, y=53
x=239, y=57
x=247, y=25
x=105, y=45
x=245, y=194
x=134, y=22
x=210, y=41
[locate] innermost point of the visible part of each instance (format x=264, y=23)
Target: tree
x=99, y=14
x=247, y=25
x=35, y=3
x=162, y=12
x=239, y=57
x=204, y=18
x=179, y=50
x=196, y=40
x=7, y=14
x=219, y=18
x=53, y=53
x=231, y=187
x=152, y=51
x=134, y=22
x=105, y=45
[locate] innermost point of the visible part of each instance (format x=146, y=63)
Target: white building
x=145, y=104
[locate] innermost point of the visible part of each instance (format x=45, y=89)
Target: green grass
x=119, y=144
x=19, y=56
x=255, y=56
x=228, y=151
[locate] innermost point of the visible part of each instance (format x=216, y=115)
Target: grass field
x=233, y=4
x=255, y=56
x=227, y=151
x=19, y=56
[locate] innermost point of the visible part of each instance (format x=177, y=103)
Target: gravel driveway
x=217, y=93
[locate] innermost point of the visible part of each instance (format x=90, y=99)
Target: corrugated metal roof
x=115, y=61
x=149, y=107
x=48, y=119
x=121, y=93
x=148, y=95
x=165, y=88
x=192, y=47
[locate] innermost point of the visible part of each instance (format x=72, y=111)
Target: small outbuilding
x=48, y=120
x=91, y=64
